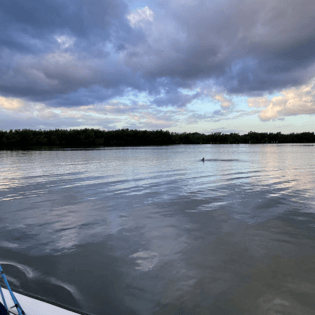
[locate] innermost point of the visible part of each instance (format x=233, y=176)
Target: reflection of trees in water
x=126, y=137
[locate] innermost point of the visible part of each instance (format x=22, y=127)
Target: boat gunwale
x=35, y=297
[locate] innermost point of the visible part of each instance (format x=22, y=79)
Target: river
x=155, y=230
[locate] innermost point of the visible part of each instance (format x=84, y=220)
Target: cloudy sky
x=178, y=65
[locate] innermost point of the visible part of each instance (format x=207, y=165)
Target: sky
x=184, y=66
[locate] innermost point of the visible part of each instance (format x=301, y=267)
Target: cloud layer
x=244, y=46
x=86, y=52
x=291, y=102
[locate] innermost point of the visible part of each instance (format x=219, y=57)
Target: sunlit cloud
x=258, y=102
x=10, y=103
x=290, y=102
x=225, y=103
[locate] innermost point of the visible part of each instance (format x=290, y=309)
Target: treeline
x=27, y=138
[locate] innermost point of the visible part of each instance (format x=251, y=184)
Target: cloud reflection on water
x=183, y=234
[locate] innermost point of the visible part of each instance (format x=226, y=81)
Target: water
x=154, y=230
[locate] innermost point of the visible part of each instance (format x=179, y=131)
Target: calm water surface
x=153, y=230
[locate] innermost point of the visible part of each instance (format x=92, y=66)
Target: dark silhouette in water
x=219, y=160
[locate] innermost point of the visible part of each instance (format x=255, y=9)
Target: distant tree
x=27, y=138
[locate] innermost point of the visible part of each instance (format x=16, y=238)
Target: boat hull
x=33, y=306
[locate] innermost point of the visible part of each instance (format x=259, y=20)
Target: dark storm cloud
x=71, y=53
x=65, y=52
x=25, y=22
x=245, y=46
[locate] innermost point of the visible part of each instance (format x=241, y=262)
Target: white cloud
x=291, y=102
x=225, y=103
x=145, y=14
x=258, y=102
x=108, y=116
x=65, y=41
x=9, y=103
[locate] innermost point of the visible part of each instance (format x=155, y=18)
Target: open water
x=154, y=230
